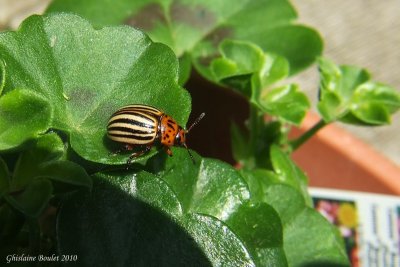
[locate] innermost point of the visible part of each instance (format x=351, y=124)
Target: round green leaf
x=146, y=187
x=197, y=27
x=66, y=172
x=348, y=95
x=286, y=200
x=302, y=226
x=244, y=66
x=259, y=226
x=87, y=74
x=24, y=114
x=310, y=239
x=48, y=148
x=259, y=180
x=248, y=57
x=33, y=199
x=132, y=231
x=330, y=107
x=352, y=77
x=275, y=69
x=299, y=44
x=287, y=102
x=373, y=103
x=265, y=187
x=210, y=186
x=127, y=213
x=220, y=244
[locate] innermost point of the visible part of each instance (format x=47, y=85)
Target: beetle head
x=180, y=138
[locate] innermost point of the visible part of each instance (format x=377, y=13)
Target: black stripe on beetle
x=129, y=122
x=138, y=137
x=112, y=129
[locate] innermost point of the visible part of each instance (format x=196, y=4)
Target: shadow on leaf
x=109, y=227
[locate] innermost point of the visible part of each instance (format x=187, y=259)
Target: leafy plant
x=61, y=79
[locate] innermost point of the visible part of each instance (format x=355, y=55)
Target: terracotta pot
x=334, y=158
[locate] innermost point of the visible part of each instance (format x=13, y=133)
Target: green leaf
x=11, y=223
x=185, y=68
x=66, y=172
x=215, y=189
x=255, y=149
x=269, y=134
x=299, y=44
x=138, y=228
x=244, y=67
x=330, y=107
x=308, y=238
x=247, y=57
x=286, y=200
x=374, y=103
x=275, y=69
x=45, y=160
x=239, y=143
x=265, y=186
x=221, y=245
x=48, y=148
x=4, y=177
x=287, y=102
x=246, y=61
x=259, y=180
x=24, y=115
x=197, y=27
x=289, y=173
x=33, y=199
x=210, y=186
x=30, y=186
x=259, y=226
x=348, y=94
x=352, y=77
x=2, y=75
x=320, y=235
x=87, y=74
x=303, y=227
x=145, y=187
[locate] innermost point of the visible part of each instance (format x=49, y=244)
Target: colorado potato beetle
x=144, y=126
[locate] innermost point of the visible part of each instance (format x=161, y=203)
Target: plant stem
x=296, y=143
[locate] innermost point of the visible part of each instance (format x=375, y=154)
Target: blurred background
x=359, y=32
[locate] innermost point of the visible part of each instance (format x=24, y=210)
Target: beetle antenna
x=190, y=154
x=195, y=122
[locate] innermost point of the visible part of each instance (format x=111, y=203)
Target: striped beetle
x=143, y=126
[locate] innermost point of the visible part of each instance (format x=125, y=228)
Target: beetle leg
x=137, y=154
x=126, y=147
x=169, y=151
